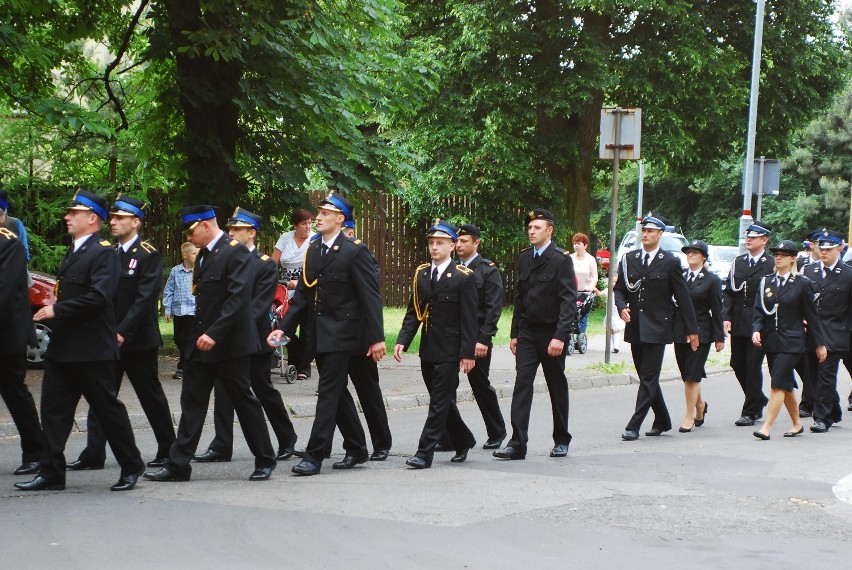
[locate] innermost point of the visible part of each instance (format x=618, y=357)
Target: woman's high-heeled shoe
x=699, y=423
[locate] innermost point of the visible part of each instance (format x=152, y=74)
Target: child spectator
x=179, y=303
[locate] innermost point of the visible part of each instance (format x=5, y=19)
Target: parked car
x=719, y=261
x=671, y=241
x=42, y=293
x=603, y=258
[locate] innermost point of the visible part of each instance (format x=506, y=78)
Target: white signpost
x=621, y=134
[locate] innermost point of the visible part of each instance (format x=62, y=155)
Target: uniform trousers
x=183, y=329
x=270, y=399
x=13, y=390
x=442, y=380
x=531, y=350
x=62, y=386
x=142, y=371
x=648, y=360
x=335, y=407
x=747, y=362
x=198, y=381
x=486, y=397
x=364, y=373
x=807, y=369
x=826, y=400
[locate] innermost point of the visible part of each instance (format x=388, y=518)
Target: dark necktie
x=824, y=271
x=781, y=282
x=751, y=263
x=201, y=254
x=434, y=280
x=647, y=261
x=691, y=278
x=324, y=249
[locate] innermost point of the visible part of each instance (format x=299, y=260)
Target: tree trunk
x=577, y=180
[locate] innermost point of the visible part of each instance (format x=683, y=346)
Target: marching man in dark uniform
x=138, y=334
x=648, y=278
x=340, y=295
x=782, y=304
x=545, y=310
x=489, y=289
x=83, y=350
x=806, y=367
x=16, y=328
x=444, y=301
x=833, y=294
x=738, y=307
x=225, y=337
x=243, y=227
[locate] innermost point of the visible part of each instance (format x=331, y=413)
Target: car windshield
x=725, y=253
x=673, y=243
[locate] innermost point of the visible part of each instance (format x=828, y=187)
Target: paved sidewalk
x=402, y=384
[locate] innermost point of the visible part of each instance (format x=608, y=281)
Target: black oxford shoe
x=744, y=421
x=819, y=427
x=166, y=475
x=261, y=474
x=126, y=482
x=509, y=453
x=30, y=468
x=159, y=461
x=559, y=450
x=493, y=443
x=350, y=461
x=630, y=435
x=418, y=462
x=440, y=447
x=805, y=413
x=285, y=453
x=211, y=456
x=380, y=455
x=305, y=468
x=656, y=432
x=40, y=484
x=459, y=457
x=83, y=465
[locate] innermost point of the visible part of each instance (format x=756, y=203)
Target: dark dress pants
x=648, y=360
x=198, y=381
x=531, y=351
x=183, y=330
x=270, y=399
x=442, y=380
x=63, y=384
x=13, y=390
x=335, y=406
x=486, y=397
x=299, y=350
x=142, y=371
x=807, y=369
x=747, y=362
x=364, y=373
x=826, y=400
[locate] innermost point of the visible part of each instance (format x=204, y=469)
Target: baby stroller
x=279, y=307
x=578, y=341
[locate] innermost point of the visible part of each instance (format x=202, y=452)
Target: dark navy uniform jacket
x=738, y=304
x=489, y=290
x=16, y=319
x=780, y=312
x=263, y=293
x=138, y=293
x=706, y=294
x=546, y=296
x=833, y=298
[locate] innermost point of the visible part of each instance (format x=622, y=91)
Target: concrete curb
x=407, y=401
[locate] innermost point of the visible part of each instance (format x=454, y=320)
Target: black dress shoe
x=699, y=423
x=301, y=453
x=559, y=450
x=159, y=461
x=805, y=413
x=285, y=453
x=380, y=455
x=493, y=443
x=510, y=452
x=350, y=461
x=418, y=462
x=83, y=465
x=40, y=484
x=126, y=482
x=744, y=421
x=439, y=447
x=850, y=407
x=819, y=427
x=630, y=435
x=656, y=432
x=794, y=433
x=30, y=468
x=261, y=474
x=760, y=435
x=460, y=456
x=211, y=456
x=178, y=375
x=305, y=468
x=165, y=474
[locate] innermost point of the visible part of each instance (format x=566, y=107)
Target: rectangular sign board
x=631, y=134
x=771, y=177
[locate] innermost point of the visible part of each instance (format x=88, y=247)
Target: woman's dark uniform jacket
x=795, y=304
x=706, y=294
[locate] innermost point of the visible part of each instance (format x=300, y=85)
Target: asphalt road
x=709, y=499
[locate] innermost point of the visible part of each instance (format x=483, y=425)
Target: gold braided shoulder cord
x=313, y=283
x=421, y=315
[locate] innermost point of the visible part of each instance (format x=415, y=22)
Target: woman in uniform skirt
x=782, y=306
x=705, y=290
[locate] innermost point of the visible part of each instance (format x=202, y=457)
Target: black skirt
x=691, y=364
x=781, y=366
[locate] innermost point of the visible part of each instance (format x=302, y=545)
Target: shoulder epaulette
x=316, y=236
x=422, y=266
x=264, y=257
x=8, y=234
x=233, y=243
x=492, y=264
x=564, y=252
x=357, y=241
x=105, y=243
x=147, y=247
x=526, y=249
x=464, y=269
